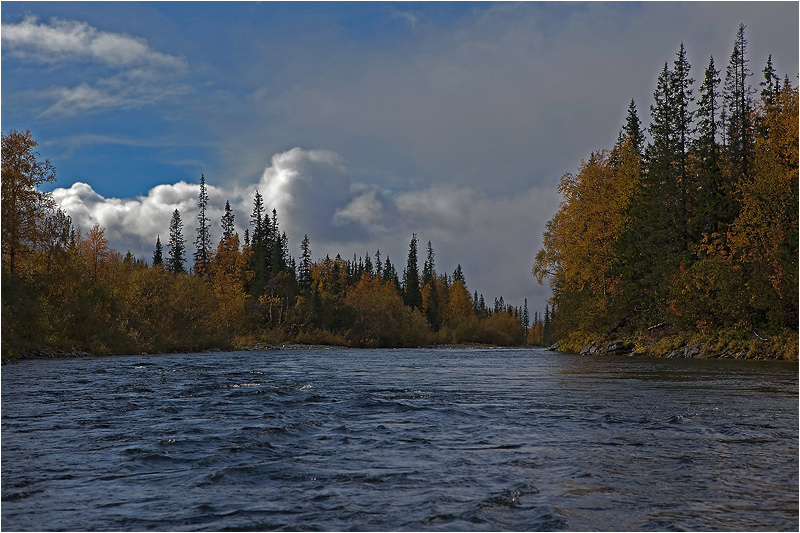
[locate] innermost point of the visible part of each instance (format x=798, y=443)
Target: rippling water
x=399, y=440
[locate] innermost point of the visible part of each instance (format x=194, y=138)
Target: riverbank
x=661, y=342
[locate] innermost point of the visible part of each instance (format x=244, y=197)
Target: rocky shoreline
x=760, y=349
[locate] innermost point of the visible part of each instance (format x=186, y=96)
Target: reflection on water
x=399, y=440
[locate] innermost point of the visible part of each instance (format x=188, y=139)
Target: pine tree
x=458, y=275
x=715, y=205
x=526, y=320
x=738, y=102
x=430, y=289
x=258, y=244
x=548, y=326
x=368, y=265
x=771, y=84
x=228, y=222
x=682, y=92
x=176, y=245
x=378, y=265
x=158, y=253
x=202, y=245
x=304, y=276
x=633, y=128
x=412, y=295
x=390, y=274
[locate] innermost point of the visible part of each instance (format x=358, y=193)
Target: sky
x=360, y=123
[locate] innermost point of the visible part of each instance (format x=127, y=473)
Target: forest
x=66, y=291
x=686, y=231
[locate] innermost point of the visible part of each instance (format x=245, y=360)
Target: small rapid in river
x=445, y=439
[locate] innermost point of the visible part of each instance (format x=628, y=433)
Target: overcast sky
x=359, y=122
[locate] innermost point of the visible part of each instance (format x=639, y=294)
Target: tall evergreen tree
x=202, y=244
x=412, y=295
x=176, y=245
x=738, y=102
x=228, y=222
x=526, y=320
x=304, y=275
x=258, y=244
x=771, y=84
x=715, y=206
x=378, y=265
x=633, y=128
x=458, y=275
x=682, y=92
x=158, y=257
x=390, y=274
x=431, y=289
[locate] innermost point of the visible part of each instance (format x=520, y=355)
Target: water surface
x=399, y=440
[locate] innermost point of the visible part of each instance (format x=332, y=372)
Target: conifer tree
x=176, y=245
x=304, y=275
x=412, y=295
x=258, y=244
x=368, y=265
x=526, y=320
x=458, y=275
x=202, y=245
x=715, y=205
x=390, y=274
x=633, y=128
x=378, y=265
x=771, y=84
x=430, y=289
x=738, y=102
x=228, y=222
x=158, y=257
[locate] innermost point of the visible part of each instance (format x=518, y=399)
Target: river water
x=448, y=439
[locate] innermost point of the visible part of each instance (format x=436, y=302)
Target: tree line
x=689, y=225
x=65, y=289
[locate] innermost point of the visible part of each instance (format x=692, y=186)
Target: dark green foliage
x=412, y=295
x=158, y=254
x=202, y=244
x=176, y=245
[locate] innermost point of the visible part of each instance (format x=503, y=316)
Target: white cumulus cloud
x=135, y=73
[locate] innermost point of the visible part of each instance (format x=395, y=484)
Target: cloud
x=313, y=194
x=135, y=73
x=69, y=41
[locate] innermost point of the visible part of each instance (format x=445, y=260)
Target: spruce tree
x=304, y=275
x=227, y=222
x=158, y=257
x=737, y=94
x=412, y=296
x=771, y=84
x=258, y=244
x=378, y=265
x=202, y=245
x=429, y=283
x=633, y=128
x=390, y=274
x=176, y=245
x=715, y=206
x=682, y=92
x=526, y=320
x=458, y=275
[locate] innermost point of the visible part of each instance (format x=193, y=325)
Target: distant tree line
x=63, y=289
x=690, y=224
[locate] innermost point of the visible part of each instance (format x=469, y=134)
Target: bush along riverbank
x=663, y=342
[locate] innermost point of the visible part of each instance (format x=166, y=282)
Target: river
x=422, y=440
